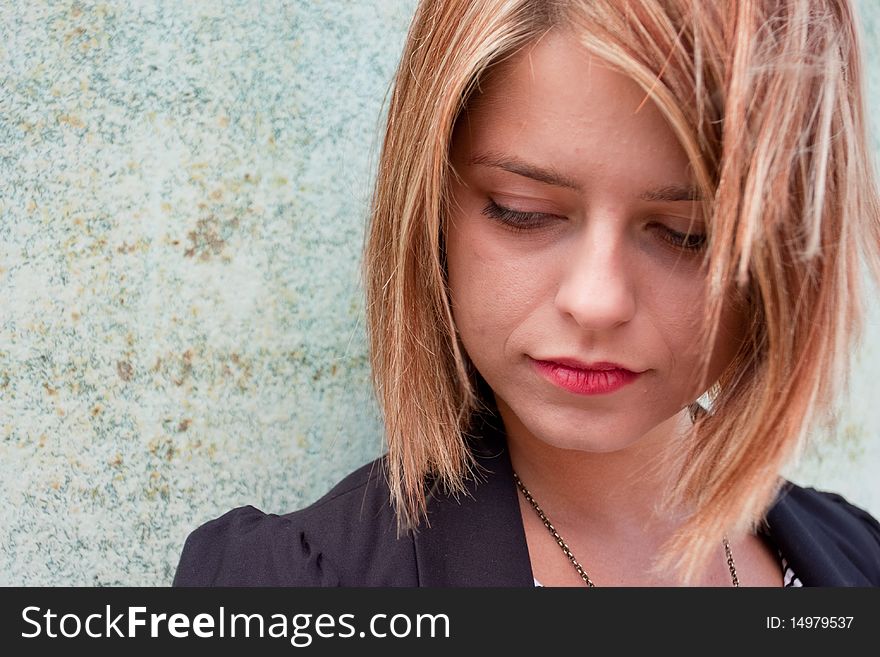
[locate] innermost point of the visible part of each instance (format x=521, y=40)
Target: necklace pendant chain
x=730, y=563
x=562, y=544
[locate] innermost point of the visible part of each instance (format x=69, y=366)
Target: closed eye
x=694, y=242
x=514, y=219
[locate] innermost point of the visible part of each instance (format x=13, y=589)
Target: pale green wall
x=182, y=205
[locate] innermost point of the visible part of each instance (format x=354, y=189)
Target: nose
x=596, y=287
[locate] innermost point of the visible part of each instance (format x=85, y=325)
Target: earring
x=705, y=404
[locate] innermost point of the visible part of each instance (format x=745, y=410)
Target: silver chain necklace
x=568, y=553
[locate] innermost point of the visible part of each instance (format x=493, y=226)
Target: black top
x=348, y=537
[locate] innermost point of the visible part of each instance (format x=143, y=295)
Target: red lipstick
x=585, y=378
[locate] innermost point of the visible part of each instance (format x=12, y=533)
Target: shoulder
x=348, y=537
x=834, y=514
x=826, y=526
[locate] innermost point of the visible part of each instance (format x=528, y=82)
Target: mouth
x=580, y=378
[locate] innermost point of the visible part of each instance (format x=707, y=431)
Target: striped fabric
x=788, y=576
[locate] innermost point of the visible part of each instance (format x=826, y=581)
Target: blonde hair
x=766, y=99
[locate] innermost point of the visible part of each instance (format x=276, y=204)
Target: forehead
x=557, y=104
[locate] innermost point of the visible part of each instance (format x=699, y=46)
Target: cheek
x=488, y=286
x=482, y=278
x=683, y=316
x=675, y=306
x=676, y=309
x=478, y=309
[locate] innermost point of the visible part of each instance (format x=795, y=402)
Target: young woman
x=613, y=281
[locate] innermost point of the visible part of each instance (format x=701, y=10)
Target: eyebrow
x=672, y=193
x=546, y=175
x=550, y=176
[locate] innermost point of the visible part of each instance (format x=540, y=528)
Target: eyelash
x=522, y=221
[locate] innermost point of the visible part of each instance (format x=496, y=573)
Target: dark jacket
x=348, y=537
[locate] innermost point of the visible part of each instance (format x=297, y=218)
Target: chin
x=587, y=442
x=575, y=430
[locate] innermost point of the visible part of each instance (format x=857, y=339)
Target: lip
x=597, y=378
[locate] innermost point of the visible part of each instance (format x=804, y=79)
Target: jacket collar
x=477, y=539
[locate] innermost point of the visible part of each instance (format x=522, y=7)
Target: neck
x=615, y=493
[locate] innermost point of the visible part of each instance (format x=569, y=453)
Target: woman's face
x=565, y=242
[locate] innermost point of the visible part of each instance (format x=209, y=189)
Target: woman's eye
x=693, y=242
x=515, y=219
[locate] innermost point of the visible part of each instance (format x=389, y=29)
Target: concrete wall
x=184, y=189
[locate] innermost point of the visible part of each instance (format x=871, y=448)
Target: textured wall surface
x=183, y=190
